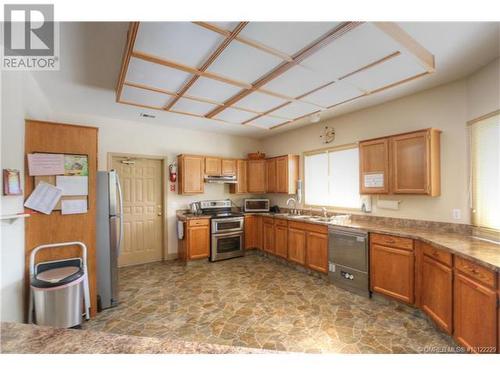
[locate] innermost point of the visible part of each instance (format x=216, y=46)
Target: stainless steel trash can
x=58, y=296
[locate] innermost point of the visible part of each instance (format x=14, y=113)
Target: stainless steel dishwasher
x=348, y=259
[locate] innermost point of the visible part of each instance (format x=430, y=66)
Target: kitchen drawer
x=268, y=220
x=198, y=222
x=441, y=256
x=479, y=273
x=392, y=241
x=281, y=222
x=319, y=228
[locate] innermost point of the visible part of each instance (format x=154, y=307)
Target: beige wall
x=446, y=107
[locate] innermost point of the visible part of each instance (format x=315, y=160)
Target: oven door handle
x=221, y=220
x=228, y=234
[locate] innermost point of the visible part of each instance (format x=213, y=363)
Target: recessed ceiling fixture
x=147, y=115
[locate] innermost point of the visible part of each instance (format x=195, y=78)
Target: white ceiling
x=91, y=54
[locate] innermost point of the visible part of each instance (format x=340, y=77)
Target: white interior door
x=141, y=181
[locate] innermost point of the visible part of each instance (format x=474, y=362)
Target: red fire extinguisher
x=172, y=168
x=172, y=175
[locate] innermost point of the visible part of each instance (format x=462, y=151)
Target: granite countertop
x=183, y=216
x=482, y=252
x=32, y=339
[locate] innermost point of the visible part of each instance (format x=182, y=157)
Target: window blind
x=485, y=172
x=332, y=178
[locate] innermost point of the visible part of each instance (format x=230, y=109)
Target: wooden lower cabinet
x=251, y=232
x=437, y=293
x=268, y=235
x=475, y=315
x=392, y=272
x=317, y=251
x=297, y=245
x=281, y=240
x=196, y=242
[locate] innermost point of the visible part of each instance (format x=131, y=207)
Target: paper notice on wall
x=374, y=180
x=73, y=206
x=73, y=185
x=44, y=198
x=45, y=164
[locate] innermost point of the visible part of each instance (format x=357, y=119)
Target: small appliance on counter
x=275, y=209
x=256, y=205
x=194, y=208
x=226, y=228
x=59, y=289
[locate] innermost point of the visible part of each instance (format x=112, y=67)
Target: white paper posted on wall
x=73, y=185
x=73, y=206
x=44, y=198
x=374, y=180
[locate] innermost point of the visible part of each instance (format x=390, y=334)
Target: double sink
x=335, y=219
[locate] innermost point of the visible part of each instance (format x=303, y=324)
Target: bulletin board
x=74, y=165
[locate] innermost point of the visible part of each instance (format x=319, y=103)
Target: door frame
x=164, y=190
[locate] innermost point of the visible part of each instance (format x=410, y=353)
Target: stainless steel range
x=227, y=233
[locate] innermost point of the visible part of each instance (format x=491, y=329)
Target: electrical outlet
x=456, y=213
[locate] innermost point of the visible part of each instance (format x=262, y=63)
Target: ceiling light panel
x=287, y=37
x=244, y=63
x=144, y=97
x=266, y=122
x=213, y=90
x=234, y=115
x=391, y=71
x=294, y=110
x=259, y=102
x=355, y=49
x=336, y=93
x=192, y=106
x=183, y=42
x=296, y=81
x=155, y=75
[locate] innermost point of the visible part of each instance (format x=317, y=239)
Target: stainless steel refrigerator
x=109, y=233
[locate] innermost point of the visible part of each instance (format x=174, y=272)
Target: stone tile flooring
x=257, y=302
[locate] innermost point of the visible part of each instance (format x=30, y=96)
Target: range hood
x=221, y=179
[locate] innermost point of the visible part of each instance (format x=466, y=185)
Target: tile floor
x=257, y=302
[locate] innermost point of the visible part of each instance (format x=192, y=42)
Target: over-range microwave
x=256, y=205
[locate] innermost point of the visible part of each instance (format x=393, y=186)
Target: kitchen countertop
x=32, y=339
x=482, y=252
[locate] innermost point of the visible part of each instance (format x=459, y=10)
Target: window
x=332, y=177
x=485, y=174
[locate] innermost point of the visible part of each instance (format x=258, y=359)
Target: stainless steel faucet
x=323, y=209
x=294, y=210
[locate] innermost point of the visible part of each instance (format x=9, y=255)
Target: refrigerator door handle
x=120, y=215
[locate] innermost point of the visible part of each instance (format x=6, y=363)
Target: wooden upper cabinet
x=228, y=167
x=271, y=175
x=406, y=163
x=416, y=163
x=190, y=174
x=287, y=174
x=256, y=176
x=213, y=166
x=374, y=166
x=241, y=186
